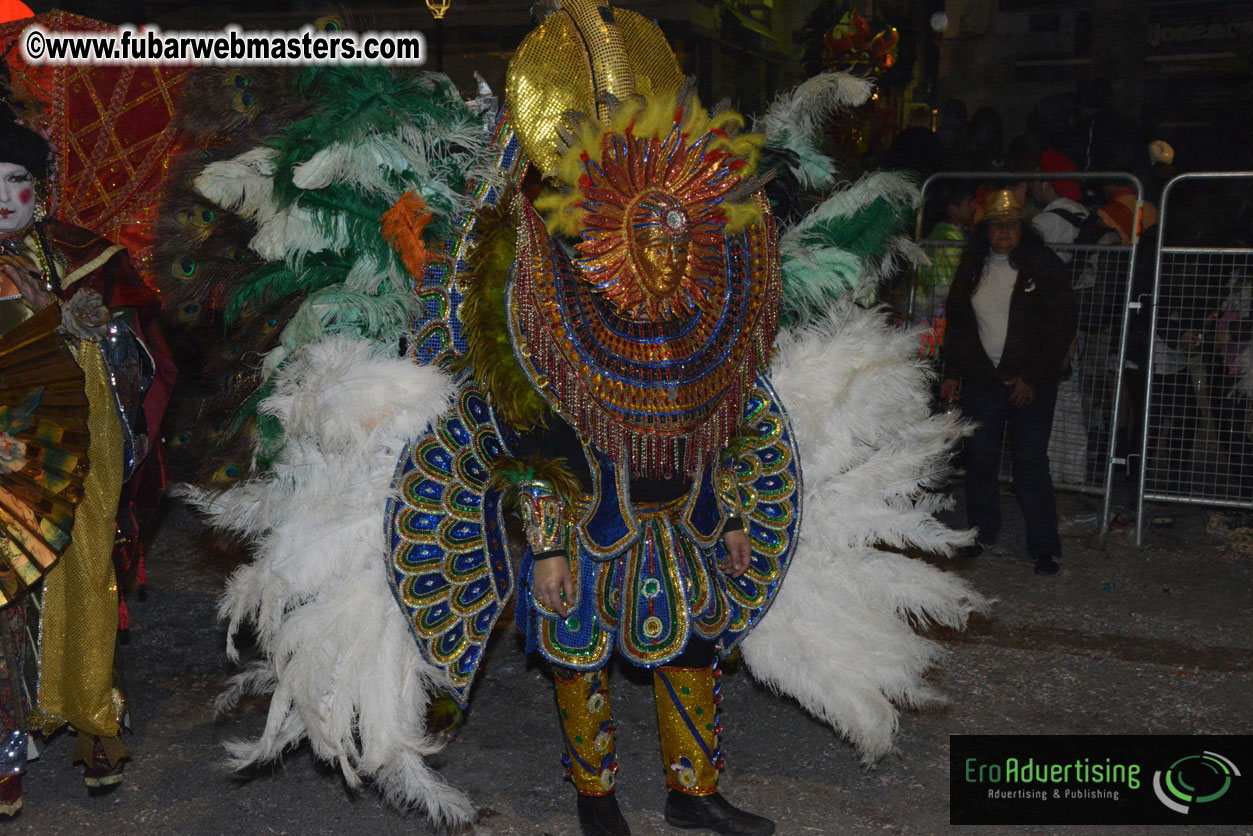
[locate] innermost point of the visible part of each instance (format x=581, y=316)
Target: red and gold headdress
x=649, y=335
x=646, y=333
x=652, y=194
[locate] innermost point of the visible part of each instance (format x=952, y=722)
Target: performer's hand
x=948, y=389
x=739, y=553
x=553, y=584
x=1021, y=393
x=26, y=279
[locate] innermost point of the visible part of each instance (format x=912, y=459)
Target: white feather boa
x=839, y=637
x=338, y=659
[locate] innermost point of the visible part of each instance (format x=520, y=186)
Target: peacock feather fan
x=240, y=104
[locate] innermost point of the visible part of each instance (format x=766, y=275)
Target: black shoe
x=1046, y=566
x=970, y=552
x=713, y=812
x=599, y=816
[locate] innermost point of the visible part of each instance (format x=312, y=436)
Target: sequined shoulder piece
x=448, y=560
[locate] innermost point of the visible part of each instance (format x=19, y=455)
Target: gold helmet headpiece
x=1003, y=205
x=582, y=59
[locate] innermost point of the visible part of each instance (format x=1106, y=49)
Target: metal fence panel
x=1197, y=443
x=1084, y=423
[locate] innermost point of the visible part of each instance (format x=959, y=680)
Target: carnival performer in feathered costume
x=596, y=358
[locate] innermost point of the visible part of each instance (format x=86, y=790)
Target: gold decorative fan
x=43, y=449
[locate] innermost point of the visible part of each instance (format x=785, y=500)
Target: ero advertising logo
x=1194, y=779
x=1099, y=779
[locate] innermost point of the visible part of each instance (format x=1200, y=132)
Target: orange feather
x=402, y=228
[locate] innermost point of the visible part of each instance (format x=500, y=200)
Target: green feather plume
x=276, y=281
x=845, y=244
x=864, y=234
x=366, y=136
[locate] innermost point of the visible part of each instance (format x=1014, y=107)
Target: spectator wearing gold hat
x=1011, y=319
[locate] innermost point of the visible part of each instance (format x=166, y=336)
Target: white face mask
x=17, y=198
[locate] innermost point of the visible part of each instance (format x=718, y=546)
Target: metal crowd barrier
x=1196, y=444
x=1082, y=448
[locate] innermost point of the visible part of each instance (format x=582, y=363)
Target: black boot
x=713, y=812
x=599, y=816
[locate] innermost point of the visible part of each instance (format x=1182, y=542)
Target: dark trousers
x=1029, y=428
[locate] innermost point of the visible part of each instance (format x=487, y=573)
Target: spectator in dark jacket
x=1011, y=319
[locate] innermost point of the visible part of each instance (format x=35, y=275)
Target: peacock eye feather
x=197, y=218
x=184, y=268
x=189, y=312
x=227, y=474
x=243, y=102
x=180, y=440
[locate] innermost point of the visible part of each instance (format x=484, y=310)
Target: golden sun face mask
x=660, y=239
x=652, y=196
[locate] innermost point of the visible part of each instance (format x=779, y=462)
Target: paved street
x=1154, y=640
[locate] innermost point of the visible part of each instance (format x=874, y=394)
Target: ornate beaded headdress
x=648, y=332
x=652, y=194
